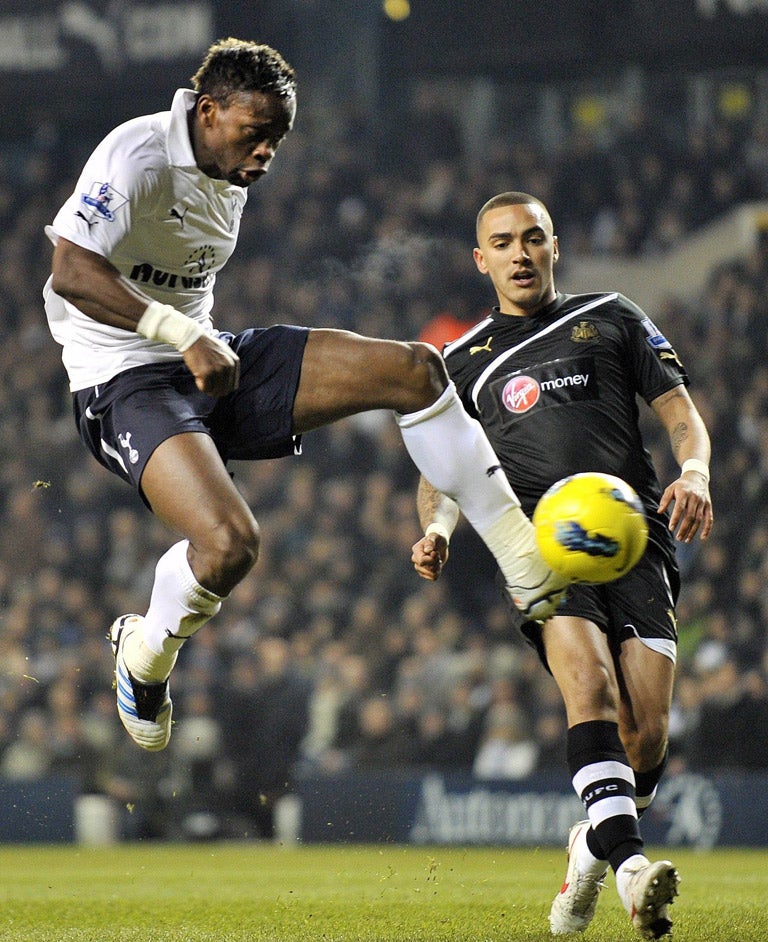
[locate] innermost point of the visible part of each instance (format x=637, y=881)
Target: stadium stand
x=332, y=628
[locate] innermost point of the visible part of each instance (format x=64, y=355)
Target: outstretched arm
x=692, y=511
x=438, y=516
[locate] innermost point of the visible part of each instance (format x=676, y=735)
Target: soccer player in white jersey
x=163, y=398
x=554, y=379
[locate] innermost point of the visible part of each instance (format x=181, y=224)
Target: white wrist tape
x=439, y=529
x=693, y=464
x=167, y=325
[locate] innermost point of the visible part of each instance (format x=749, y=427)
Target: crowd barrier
x=694, y=810
x=690, y=809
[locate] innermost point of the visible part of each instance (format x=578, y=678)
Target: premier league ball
x=591, y=527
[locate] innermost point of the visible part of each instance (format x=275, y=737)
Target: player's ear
x=480, y=261
x=555, y=249
x=205, y=108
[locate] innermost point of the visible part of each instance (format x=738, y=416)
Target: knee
x=228, y=554
x=605, y=695
x=590, y=693
x=426, y=374
x=238, y=545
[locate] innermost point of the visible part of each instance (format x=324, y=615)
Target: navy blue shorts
x=124, y=420
x=639, y=605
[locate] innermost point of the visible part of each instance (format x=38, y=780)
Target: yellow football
x=591, y=527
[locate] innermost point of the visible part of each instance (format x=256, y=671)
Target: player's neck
x=512, y=309
x=198, y=148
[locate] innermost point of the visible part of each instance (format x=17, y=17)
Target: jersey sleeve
x=655, y=362
x=116, y=177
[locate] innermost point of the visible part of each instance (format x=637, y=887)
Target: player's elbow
x=74, y=270
x=65, y=271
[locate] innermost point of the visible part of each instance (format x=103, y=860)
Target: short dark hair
x=236, y=65
x=510, y=198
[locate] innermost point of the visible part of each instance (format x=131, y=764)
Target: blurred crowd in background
x=333, y=655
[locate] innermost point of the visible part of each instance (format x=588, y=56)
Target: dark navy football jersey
x=557, y=393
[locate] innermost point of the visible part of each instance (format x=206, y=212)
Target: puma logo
x=486, y=346
x=88, y=222
x=179, y=211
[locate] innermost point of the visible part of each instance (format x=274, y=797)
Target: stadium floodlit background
x=333, y=673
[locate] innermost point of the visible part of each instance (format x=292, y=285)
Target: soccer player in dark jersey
x=554, y=379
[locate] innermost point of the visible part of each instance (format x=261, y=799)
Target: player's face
x=518, y=250
x=237, y=143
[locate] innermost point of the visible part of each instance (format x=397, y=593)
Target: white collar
x=180, y=153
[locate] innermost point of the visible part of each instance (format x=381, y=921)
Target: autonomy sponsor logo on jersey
x=198, y=263
x=555, y=383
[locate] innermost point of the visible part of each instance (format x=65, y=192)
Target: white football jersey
x=142, y=203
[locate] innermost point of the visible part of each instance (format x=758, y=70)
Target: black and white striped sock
x=605, y=783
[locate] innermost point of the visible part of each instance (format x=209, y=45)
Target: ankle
x=144, y=664
x=624, y=874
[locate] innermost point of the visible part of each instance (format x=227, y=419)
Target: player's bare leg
x=606, y=701
x=581, y=663
x=344, y=373
x=190, y=490
x=646, y=679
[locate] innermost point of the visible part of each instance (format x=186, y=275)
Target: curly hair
x=233, y=65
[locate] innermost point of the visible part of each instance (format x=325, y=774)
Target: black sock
x=646, y=782
x=604, y=781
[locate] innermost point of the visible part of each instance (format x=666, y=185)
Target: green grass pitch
x=233, y=892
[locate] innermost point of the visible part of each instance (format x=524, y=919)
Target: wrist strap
x=693, y=464
x=439, y=529
x=165, y=324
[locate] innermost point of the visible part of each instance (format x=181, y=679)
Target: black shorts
x=124, y=420
x=639, y=605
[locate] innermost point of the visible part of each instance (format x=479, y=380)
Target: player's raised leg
x=344, y=373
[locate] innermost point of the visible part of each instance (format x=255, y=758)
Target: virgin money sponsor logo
x=549, y=384
x=520, y=394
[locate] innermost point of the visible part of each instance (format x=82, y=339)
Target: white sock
x=451, y=450
x=642, y=802
x=586, y=860
x=453, y=453
x=179, y=606
x=627, y=869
